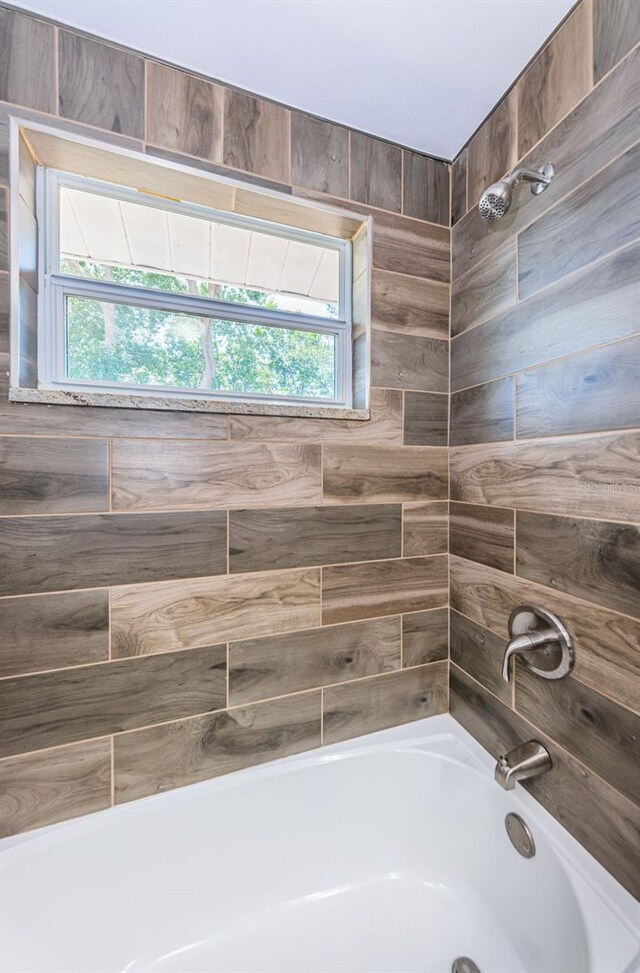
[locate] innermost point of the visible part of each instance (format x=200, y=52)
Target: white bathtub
x=388, y=853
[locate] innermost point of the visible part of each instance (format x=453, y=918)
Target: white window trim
x=54, y=288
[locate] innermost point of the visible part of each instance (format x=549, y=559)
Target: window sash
x=55, y=287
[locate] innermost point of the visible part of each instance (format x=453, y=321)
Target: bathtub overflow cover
x=520, y=836
x=464, y=965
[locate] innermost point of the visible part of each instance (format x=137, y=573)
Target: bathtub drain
x=464, y=965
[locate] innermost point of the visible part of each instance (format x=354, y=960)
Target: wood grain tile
x=374, y=704
x=493, y=151
x=411, y=247
x=256, y=136
x=483, y=414
x=376, y=172
x=488, y=289
x=483, y=534
x=101, y=85
x=591, y=476
x=601, y=127
x=53, y=631
x=597, y=731
x=54, y=708
x=601, y=216
x=425, y=637
x=276, y=666
x=181, y=614
x=163, y=757
x=261, y=540
x=409, y=305
x=569, y=793
x=616, y=29
x=425, y=188
x=425, y=528
x=54, y=785
x=459, y=188
x=591, y=392
x=591, y=559
x=378, y=588
x=40, y=554
x=602, y=297
x=407, y=362
x=384, y=427
x=384, y=474
x=27, y=61
x=184, y=113
x=39, y=476
x=154, y=475
x=319, y=155
x=426, y=419
x=557, y=80
x=606, y=643
x=218, y=170
x=480, y=653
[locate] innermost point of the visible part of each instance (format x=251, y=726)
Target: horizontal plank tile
x=426, y=419
x=409, y=305
x=402, y=361
x=493, y=151
x=480, y=653
x=569, y=793
x=602, y=734
x=375, y=172
x=40, y=554
x=606, y=643
x=591, y=392
x=425, y=637
x=84, y=94
x=590, y=476
x=154, y=475
x=256, y=135
x=184, y=113
x=602, y=126
x=486, y=290
x=483, y=414
x=379, y=588
x=383, y=428
x=283, y=664
x=27, y=61
x=53, y=708
x=163, y=757
x=380, y=474
x=411, y=247
x=178, y=615
x=484, y=534
x=319, y=155
x=591, y=559
x=599, y=217
x=294, y=537
x=40, y=476
x=374, y=704
x=603, y=298
x=459, y=187
x=53, y=631
x=425, y=528
x=425, y=188
x=54, y=785
x=616, y=29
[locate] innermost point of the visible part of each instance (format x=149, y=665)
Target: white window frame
x=55, y=287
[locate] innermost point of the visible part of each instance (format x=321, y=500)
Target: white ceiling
x=423, y=73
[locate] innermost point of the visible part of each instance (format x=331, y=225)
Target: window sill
x=116, y=400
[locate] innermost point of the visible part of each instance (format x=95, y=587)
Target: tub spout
x=530, y=759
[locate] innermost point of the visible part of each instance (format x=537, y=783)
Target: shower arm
x=530, y=175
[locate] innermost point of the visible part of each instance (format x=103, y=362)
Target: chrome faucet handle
x=542, y=640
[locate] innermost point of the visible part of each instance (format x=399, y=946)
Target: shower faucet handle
x=542, y=640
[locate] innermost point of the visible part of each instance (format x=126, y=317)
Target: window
x=151, y=295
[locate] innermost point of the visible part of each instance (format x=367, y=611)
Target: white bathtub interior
x=388, y=853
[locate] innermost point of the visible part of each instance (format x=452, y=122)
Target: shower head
x=496, y=200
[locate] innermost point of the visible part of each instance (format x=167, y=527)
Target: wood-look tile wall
x=182, y=595
x=545, y=425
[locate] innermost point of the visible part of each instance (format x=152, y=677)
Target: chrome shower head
x=496, y=200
